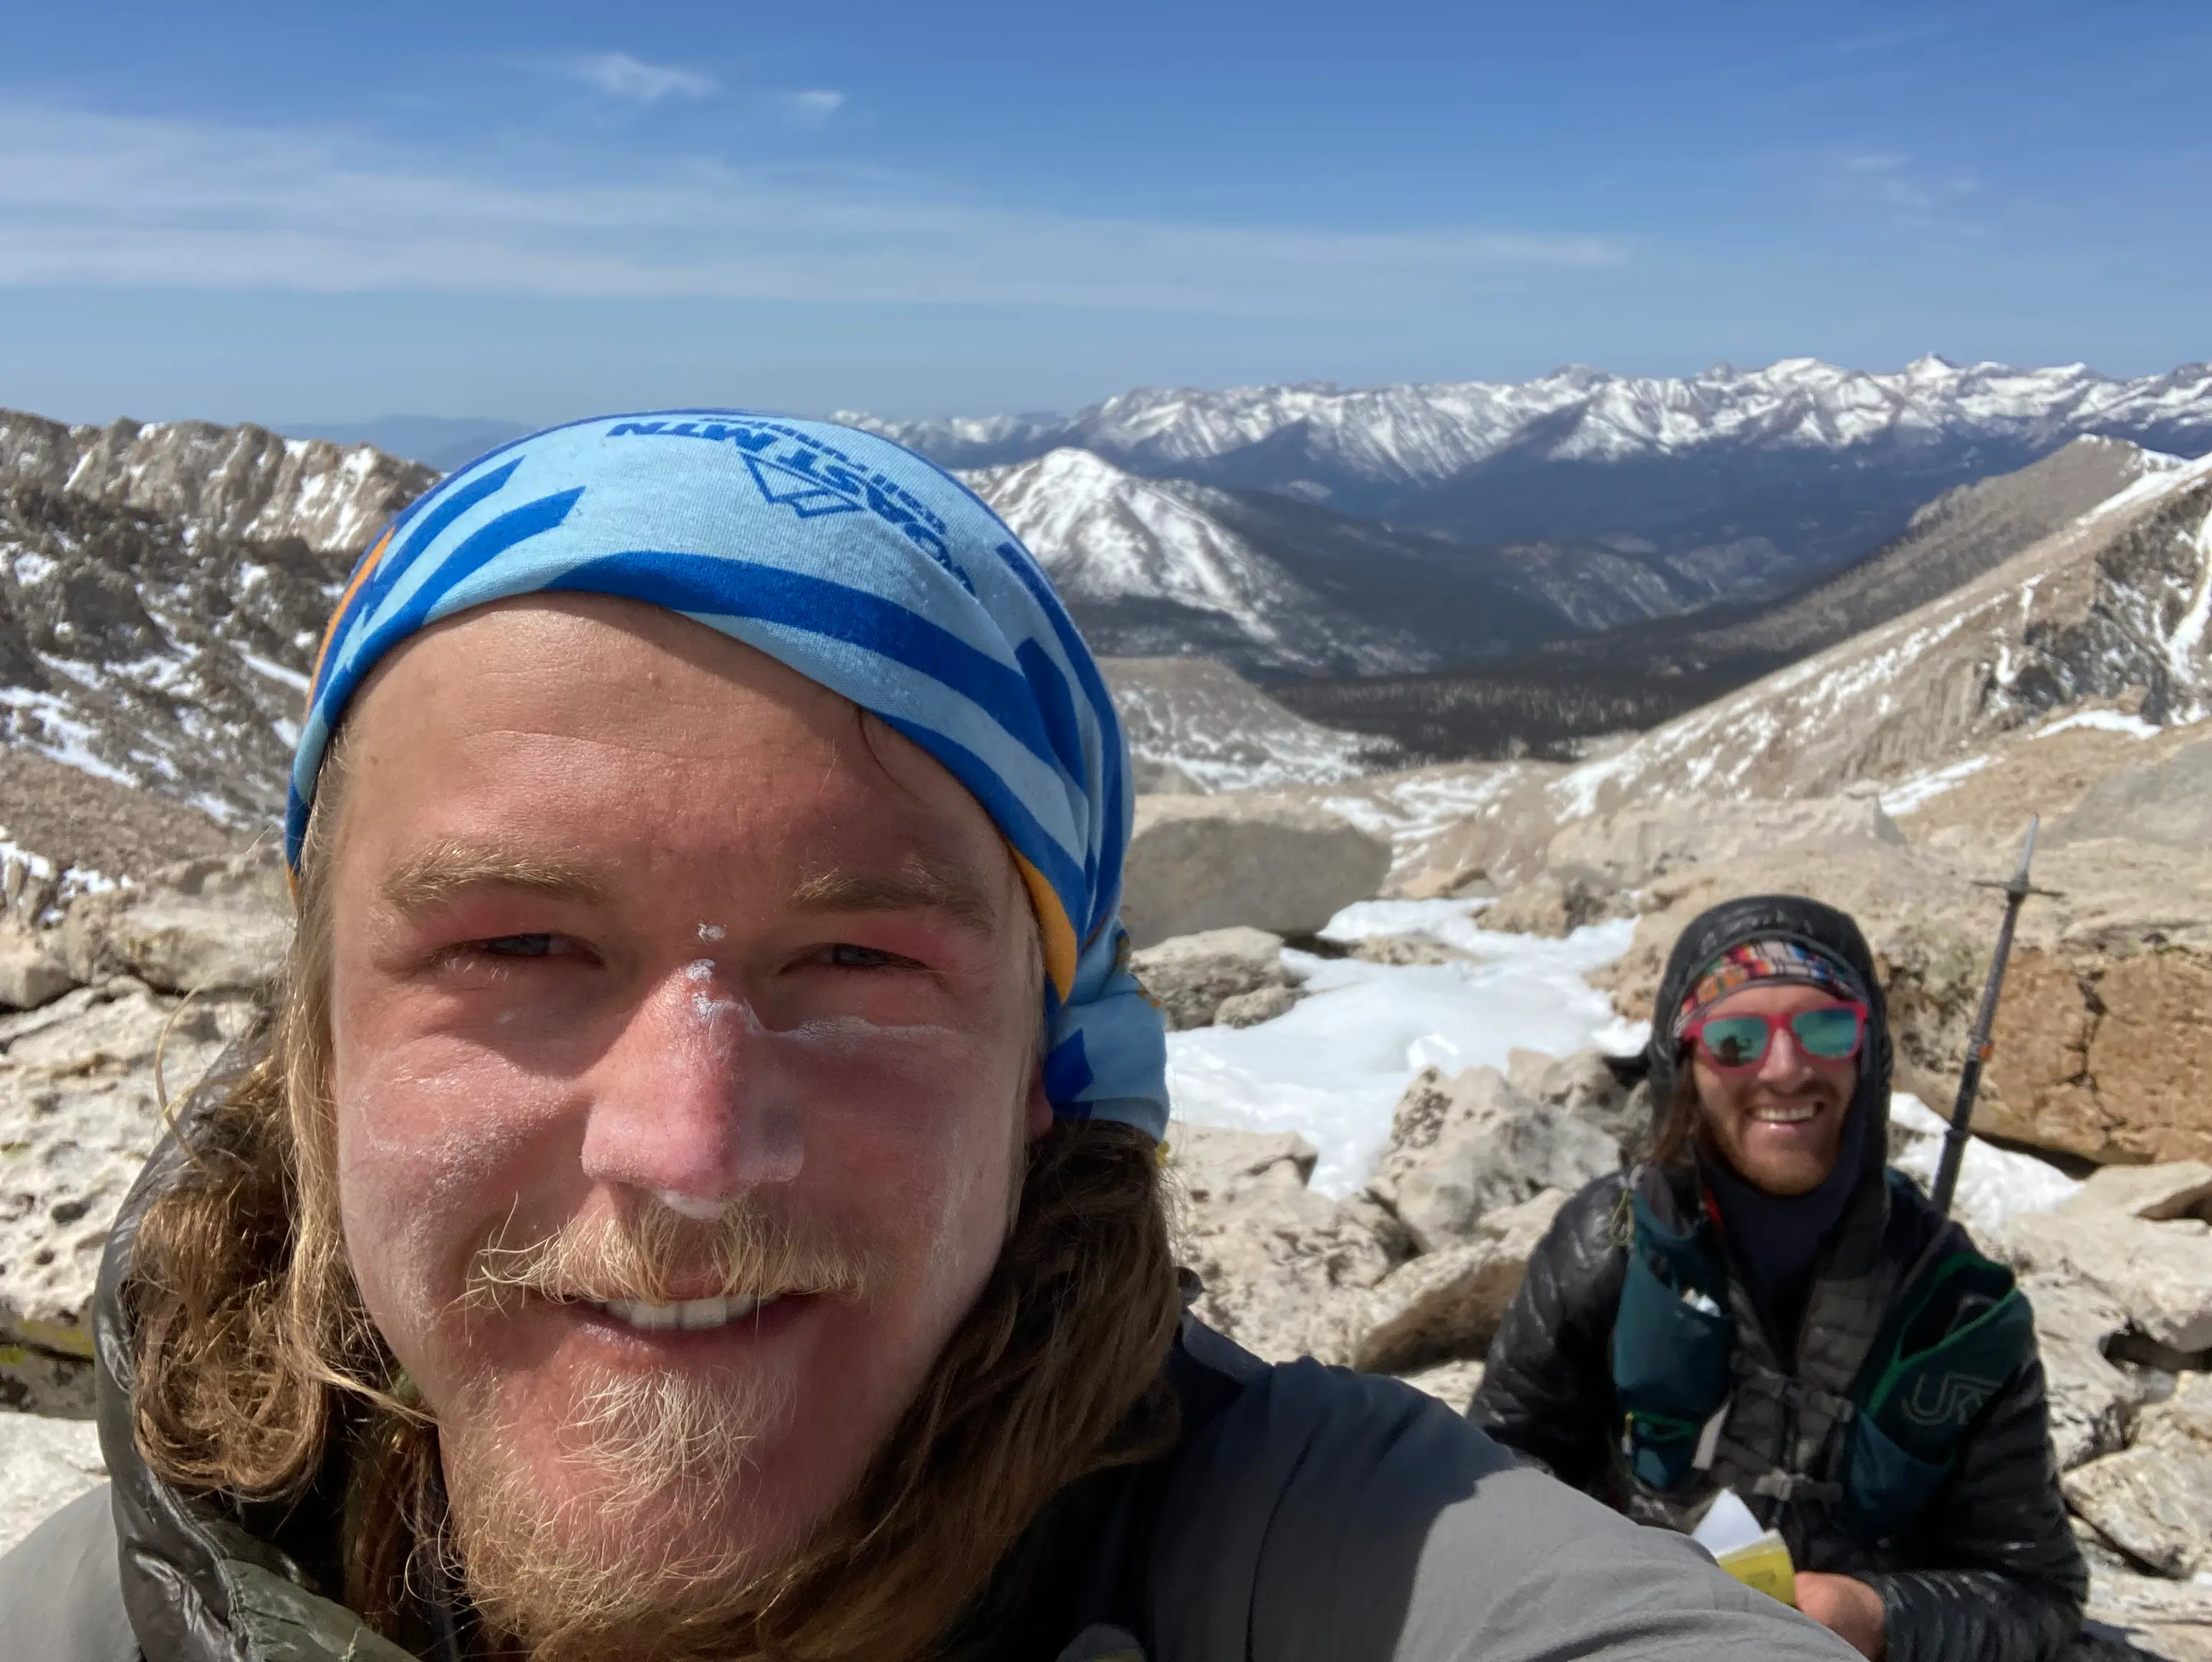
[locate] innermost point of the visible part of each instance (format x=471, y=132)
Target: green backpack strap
x=1673, y=1342
x=1962, y=1336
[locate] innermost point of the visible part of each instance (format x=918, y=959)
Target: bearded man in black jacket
x=1762, y=1307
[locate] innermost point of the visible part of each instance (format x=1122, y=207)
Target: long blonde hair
x=256, y=1363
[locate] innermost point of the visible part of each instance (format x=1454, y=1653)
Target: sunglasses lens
x=1736, y=1041
x=1830, y=1034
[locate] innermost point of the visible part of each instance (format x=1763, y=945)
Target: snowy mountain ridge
x=242, y=483
x=1422, y=433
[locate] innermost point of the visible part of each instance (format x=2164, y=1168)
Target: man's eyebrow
x=918, y=885
x=435, y=876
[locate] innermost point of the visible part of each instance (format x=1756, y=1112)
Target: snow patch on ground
x=1333, y=1068
x=72, y=881
x=2104, y=721
x=1994, y=1182
x=1919, y=791
x=1416, y=811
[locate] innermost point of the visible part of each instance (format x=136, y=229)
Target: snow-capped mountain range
x=1822, y=462
x=1422, y=433
x=161, y=585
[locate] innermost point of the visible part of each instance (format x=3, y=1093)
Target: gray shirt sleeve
x=60, y=1589
x=1333, y=1517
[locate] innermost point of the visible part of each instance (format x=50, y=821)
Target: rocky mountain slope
x=1818, y=462
x=1162, y=567
x=161, y=590
x=152, y=650
x=1194, y=725
x=240, y=483
x=1642, y=673
x=2116, y=603
x=1951, y=540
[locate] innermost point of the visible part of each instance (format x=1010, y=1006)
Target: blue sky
x=299, y=213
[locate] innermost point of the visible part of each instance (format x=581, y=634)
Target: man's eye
x=846, y=956
x=520, y=945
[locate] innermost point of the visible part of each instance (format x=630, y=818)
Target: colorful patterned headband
x=864, y=567
x=1770, y=959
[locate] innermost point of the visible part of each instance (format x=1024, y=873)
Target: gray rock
x=1581, y=1084
x=1632, y=847
x=1206, y=862
x=2133, y=1616
x=28, y=976
x=42, y=1382
x=2168, y=800
x=1282, y=1265
x=1557, y=903
x=1403, y=950
x=1448, y=1304
x=2091, y=1399
x=1212, y=1162
x=2160, y=1273
x=1189, y=976
x=79, y=1113
x=2153, y=1500
x=204, y=925
x=1468, y=1145
x=1454, y=1383
x=1151, y=777
x=44, y=1464
x=2172, y=1188
x=1250, y=1010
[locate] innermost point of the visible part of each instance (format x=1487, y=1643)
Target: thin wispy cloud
x=809, y=109
x=630, y=80
x=87, y=197
x=1878, y=43
x=1890, y=178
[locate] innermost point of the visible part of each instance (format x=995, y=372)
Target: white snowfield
x=1333, y=1068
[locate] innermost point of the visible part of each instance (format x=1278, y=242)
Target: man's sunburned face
x=1779, y=1124
x=684, y=1057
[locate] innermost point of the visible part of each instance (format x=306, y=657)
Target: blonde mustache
x=655, y=1254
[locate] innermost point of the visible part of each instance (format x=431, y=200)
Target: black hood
x=1788, y=917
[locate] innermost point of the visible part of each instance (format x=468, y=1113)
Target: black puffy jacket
x=1989, y=1569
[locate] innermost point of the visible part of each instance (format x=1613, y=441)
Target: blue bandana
x=860, y=566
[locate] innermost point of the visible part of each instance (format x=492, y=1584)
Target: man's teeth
x=689, y=1314
x=1787, y=1113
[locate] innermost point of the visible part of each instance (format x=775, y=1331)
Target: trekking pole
x=1978, y=1048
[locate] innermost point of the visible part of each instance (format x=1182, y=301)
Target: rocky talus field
x=1391, y=993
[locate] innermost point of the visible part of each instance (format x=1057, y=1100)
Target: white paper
x=1728, y=1524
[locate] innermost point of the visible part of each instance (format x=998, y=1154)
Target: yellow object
x=1765, y=1565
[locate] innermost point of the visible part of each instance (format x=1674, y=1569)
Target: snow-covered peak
x=1106, y=535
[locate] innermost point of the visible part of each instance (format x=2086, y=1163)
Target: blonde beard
x=657, y=1545
x=641, y=1558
